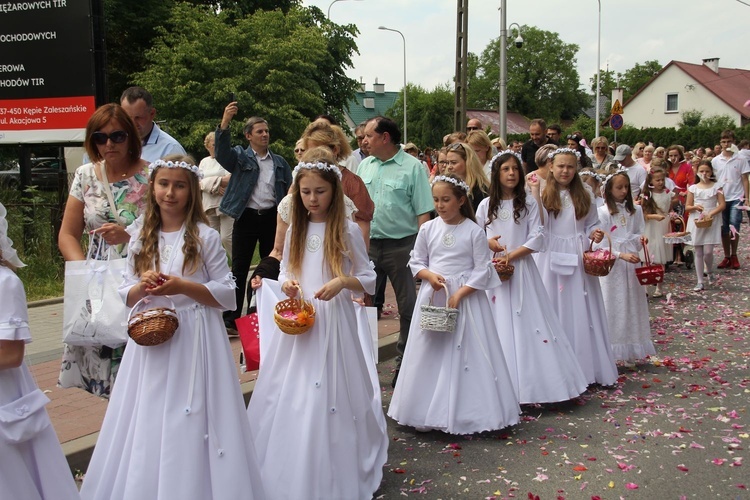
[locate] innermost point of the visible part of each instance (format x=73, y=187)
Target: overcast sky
x=632, y=31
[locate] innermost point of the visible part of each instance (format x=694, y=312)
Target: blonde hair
x=579, y=195
x=335, y=245
x=323, y=133
x=481, y=140
x=474, y=169
x=541, y=158
x=148, y=258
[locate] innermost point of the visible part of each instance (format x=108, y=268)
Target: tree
x=608, y=82
x=542, y=77
x=429, y=114
x=636, y=77
x=285, y=68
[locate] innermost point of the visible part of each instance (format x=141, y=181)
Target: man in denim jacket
x=260, y=179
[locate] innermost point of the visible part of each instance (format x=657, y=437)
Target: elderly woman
x=645, y=160
x=601, y=157
x=213, y=184
x=113, y=144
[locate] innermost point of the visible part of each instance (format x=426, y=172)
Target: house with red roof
x=681, y=87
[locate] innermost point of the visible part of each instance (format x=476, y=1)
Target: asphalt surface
x=674, y=427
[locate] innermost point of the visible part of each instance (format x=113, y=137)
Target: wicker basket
x=294, y=316
x=703, y=222
x=503, y=267
x=438, y=319
x=678, y=237
x=155, y=325
x=598, y=263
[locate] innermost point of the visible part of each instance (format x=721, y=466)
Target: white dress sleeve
x=219, y=279
x=420, y=255
x=482, y=213
x=14, y=316
x=535, y=239
x=483, y=276
x=284, y=209
x=362, y=268
x=591, y=221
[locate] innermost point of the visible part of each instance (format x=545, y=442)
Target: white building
x=681, y=87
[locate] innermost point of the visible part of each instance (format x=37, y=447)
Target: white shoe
x=698, y=287
x=710, y=278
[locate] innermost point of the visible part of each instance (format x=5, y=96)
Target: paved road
x=676, y=427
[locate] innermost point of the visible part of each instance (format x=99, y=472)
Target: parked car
x=45, y=173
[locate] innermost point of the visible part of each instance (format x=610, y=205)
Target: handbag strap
x=108, y=191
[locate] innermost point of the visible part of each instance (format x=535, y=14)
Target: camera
x=519, y=42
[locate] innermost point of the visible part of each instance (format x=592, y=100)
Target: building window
x=672, y=104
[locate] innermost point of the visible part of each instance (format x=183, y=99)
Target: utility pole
x=462, y=59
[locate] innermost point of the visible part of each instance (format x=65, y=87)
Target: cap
x=622, y=151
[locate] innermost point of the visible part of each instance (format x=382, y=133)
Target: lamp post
x=598, y=70
x=503, y=105
x=334, y=1
x=404, y=39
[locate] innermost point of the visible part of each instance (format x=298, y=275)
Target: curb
x=45, y=302
x=78, y=451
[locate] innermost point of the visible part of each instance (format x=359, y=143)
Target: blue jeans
x=731, y=216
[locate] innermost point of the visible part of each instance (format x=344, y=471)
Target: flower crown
x=569, y=151
x=175, y=164
x=589, y=173
x=506, y=152
x=452, y=180
x=620, y=170
x=318, y=166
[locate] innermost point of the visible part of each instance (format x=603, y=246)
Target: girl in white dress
x=657, y=201
x=624, y=300
x=570, y=222
x=530, y=333
x=316, y=418
x=32, y=464
x=175, y=426
x=704, y=199
x=454, y=382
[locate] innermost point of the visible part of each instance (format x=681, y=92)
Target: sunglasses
x=455, y=146
x=299, y=150
x=472, y=128
x=117, y=137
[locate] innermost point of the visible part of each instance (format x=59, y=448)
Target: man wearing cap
x=637, y=174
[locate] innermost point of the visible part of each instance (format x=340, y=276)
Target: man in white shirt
x=139, y=105
x=637, y=174
x=731, y=171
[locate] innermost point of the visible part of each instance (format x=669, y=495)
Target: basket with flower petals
x=503, y=266
x=678, y=237
x=599, y=262
x=703, y=221
x=149, y=325
x=294, y=316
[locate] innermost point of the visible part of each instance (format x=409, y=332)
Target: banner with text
x=47, y=91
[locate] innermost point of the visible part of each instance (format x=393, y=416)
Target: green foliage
x=636, y=77
x=429, y=114
x=285, y=68
x=690, y=118
x=608, y=82
x=542, y=77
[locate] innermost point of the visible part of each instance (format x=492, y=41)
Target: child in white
x=32, y=464
x=176, y=426
x=625, y=302
x=656, y=202
x=571, y=221
x=316, y=418
x=530, y=332
x=455, y=382
x=705, y=199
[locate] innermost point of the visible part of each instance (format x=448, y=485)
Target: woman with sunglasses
x=464, y=164
x=116, y=169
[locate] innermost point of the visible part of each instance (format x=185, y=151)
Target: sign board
x=617, y=108
x=47, y=90
x=616, y=122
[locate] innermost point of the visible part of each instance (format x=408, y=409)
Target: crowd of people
x=479, y=239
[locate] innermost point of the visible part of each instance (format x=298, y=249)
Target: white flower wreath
x=452, y=180
x=506, y=152
x=318, y=166
x=175, y=164
x=564, y=151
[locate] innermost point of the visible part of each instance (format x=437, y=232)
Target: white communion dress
x=624, y=297
x=656, y=229
x=32, y=464
x=455, y=382
x=542, y=364
x=709, y=199
x=575, y=295
x=176, y=425
x=315, y=414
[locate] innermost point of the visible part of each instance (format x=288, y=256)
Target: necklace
x=448, y=239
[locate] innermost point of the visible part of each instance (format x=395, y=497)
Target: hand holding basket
x=153, y=325
x=703, y=221
x=503, y=266
x=650, y=274
x=438, y=319
x=294, y=316
x=599, y=262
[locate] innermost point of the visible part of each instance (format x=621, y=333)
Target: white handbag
x=24, y=418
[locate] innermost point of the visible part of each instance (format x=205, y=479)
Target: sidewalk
x=77, y=415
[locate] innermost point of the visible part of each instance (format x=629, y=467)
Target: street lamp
x=598, y=69
x=404, y=39
x=334, y=1
x=503, y=108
